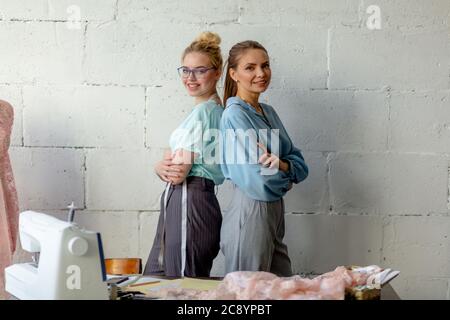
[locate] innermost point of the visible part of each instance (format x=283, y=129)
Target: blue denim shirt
x=241, y=167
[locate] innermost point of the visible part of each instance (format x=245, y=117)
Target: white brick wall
x=83, y=116
x=335, y=120
x=381, y=184
x=45, y=52
x=319, y=242
x=425, y=127
x=95, y=101
x=48, y=178
x=122, y=179
x=420, y=59
x=52, y=10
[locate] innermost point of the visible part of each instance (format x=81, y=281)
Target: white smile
x=192, y=86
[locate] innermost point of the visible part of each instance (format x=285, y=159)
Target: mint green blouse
x=200, y=133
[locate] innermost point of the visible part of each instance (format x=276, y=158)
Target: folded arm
x=174, y=168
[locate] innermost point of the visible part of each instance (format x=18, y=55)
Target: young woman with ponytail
x=253, y=225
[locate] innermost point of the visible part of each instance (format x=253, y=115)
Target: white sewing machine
x=70, y=264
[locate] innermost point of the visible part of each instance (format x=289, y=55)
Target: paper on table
x=389, y=276
x=199, y=284
x=185, y=283
x=381, y=278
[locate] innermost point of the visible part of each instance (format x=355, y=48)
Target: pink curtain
x=9, y=209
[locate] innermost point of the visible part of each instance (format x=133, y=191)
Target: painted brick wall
x=96, y=95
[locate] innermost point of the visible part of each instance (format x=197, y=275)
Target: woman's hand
x=269, y=160
x=183, y=161
x=175, y=168
x=166, y=170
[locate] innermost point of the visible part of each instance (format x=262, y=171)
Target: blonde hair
x=207, y=43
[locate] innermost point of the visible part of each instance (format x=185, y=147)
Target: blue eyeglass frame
x=191, y=71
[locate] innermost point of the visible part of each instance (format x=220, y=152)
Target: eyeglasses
x=198, y=73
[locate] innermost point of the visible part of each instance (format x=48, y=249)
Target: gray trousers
x=251, y=237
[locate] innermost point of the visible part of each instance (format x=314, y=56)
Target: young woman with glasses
x=187, y=237
x=253, y=224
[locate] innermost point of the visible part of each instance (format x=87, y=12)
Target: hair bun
x=209, y=39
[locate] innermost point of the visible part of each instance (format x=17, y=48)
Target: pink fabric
x=9, y=208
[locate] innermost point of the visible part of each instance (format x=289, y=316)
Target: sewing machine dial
x=78, y=246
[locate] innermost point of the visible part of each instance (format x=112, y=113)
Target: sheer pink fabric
x=9, y=209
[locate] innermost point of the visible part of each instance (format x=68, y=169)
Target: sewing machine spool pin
x=72, y=209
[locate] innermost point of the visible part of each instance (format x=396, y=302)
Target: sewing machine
x=68, y=261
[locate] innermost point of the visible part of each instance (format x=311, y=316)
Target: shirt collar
x=239, y=101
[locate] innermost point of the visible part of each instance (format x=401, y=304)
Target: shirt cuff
x=290, y=173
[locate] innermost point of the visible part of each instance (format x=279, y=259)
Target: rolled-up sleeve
x=298, y=170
